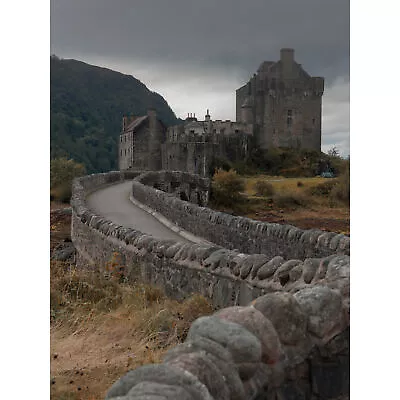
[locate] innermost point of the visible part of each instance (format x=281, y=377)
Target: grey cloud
x=226, y=33
x=196, y=53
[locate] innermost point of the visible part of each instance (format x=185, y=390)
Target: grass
x=280, y=184
x=104, y=328
x=306, y=202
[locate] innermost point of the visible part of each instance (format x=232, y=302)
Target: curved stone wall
x=183, y=185
x=231, y=232
x=292, y=341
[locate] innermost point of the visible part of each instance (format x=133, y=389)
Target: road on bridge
x=113, y=203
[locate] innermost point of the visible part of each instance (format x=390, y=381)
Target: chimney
x=287, y=60
x=287, y=55
x=152, y=115
x=207, y=117
x=151, y=112
x=124, y=123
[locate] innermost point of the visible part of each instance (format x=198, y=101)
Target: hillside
x=87, y=104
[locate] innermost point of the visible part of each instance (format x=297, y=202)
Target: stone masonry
x=284, y=331
x=280, y=106
x=283, y=104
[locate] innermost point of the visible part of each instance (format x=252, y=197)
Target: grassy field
x=102, y=328
x=303, y=202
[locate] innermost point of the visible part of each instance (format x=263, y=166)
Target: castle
x=280, y=106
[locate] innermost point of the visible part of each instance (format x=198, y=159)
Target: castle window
x=125, y=138
x=313, y=121
x=125, y=151
x=289, y=118
x=121, y=139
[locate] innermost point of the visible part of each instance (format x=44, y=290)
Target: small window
x=121, y=153
x=121, y=139
x=313, y=121
x=125, y=151
x=289, y=118
x=125, y=138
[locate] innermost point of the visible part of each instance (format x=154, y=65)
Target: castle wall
x=156, y=136
x=125, y=147
x=241, y=95
x=300, y=128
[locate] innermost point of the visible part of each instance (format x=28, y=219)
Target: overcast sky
x=197, y=53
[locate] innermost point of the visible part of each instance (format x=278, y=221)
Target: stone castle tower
x=280, y=106
x=283, y=104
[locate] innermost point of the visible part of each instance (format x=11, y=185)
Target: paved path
x=113, y=203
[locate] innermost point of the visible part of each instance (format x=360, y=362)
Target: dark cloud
x=226, y=33
x=196, y=53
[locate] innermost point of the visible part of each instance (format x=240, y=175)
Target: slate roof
x=134, y=125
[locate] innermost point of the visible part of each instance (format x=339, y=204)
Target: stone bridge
x=281, y=329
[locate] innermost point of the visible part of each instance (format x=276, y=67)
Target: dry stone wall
x=231, y=232
x=284, y=335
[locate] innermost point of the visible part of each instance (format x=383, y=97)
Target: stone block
x=201, y=366
x=323, y=307
x=256, y=323
x=244, y=347
x=162, y=374
x=268, y=269
x=286, y=315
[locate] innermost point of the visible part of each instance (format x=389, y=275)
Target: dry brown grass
x=306, y=205
x=100, y=329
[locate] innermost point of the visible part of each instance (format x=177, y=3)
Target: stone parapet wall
x=282, y=346
x=194, y=187
x=232, y=232
x=292, y=341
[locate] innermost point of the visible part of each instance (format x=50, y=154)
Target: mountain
x=87, y=105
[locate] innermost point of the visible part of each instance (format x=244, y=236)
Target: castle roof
x=136, y=123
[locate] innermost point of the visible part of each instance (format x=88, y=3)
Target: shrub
x=62, y=193
x=217, y=164
x=264, y=188
x=226, y=187
x=62, y=172
x=341, y=191
x=293, y=200
x=323, y=189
